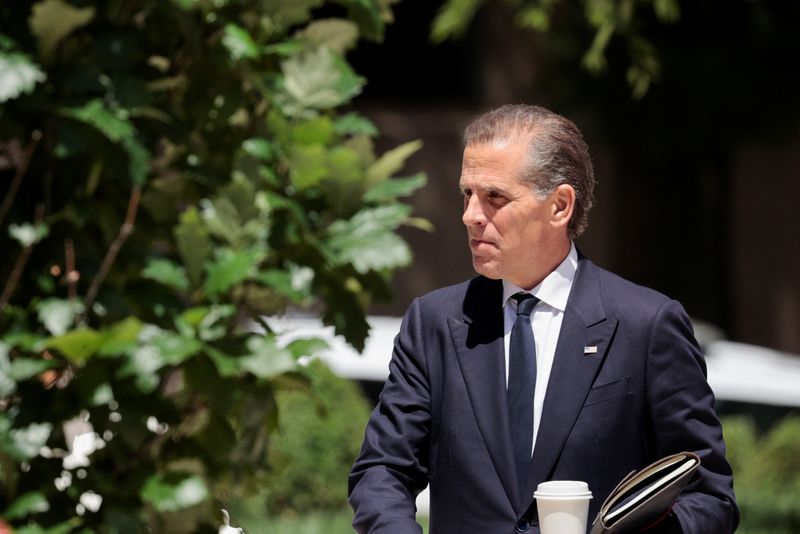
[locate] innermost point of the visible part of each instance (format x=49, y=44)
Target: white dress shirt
x=546, y=319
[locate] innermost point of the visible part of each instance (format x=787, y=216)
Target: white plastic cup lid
x=563, y=488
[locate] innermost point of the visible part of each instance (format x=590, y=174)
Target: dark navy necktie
x=521, y=384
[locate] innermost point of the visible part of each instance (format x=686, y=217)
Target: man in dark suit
x=610, y=380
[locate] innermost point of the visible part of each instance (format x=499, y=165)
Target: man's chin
x=487, y=269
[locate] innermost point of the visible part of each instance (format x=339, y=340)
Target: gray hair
x=557, y=153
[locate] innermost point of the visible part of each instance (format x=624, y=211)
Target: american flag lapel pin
x=590, y=349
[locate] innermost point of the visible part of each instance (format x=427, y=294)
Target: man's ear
x=562, y=204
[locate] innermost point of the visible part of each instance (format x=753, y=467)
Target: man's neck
x=550, y=264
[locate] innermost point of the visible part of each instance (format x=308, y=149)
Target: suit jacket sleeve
x=392, y=467
x=683, y=415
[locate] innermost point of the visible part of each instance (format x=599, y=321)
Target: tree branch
x=125, y=230
x=22, y=260
x=22, y=168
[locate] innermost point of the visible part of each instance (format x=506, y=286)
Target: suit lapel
x=478, y=338
x=585, y=325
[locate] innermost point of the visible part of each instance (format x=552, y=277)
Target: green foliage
x=18, y=74
x=175, y=173
x=766, y=475
x=606, y=18
x=317, y=440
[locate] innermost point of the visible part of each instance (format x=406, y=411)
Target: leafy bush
x=311, y=453
x=172, y=172
x=766, y=475
x=316, y=443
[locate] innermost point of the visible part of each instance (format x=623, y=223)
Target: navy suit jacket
x=442, y=418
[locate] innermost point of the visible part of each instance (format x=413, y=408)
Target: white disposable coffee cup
x=563, y=506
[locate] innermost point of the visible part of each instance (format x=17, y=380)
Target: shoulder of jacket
x=621, y=292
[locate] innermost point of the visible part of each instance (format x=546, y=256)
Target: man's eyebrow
x=485, y=188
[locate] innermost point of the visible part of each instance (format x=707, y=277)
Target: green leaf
x=368, y=15
x=187, y=5
x=308, y=165
x=25, y=443
x=138, y=160
x=391, y=162
x=25, y=368
x=77, y=345
x=121, y=337
x=32, y=502
x=352, y=124
x=6, y=43
x=307, y=347
x=103, y=394
x=242, y=195
x=367, y=241
x=25, y=340
x=266, y=360
x=7, y=383
x=377, y=252
x=226, y=364
x=168, y=496
x=344, y=166
x=57, y=315
x=144, y=364
x=290, y=12
x=193, y=316
x=209, y=328
x=453, y=19
x=239, y=43
x=313, y=132
x=118, y=129
x=535, y=17
x=294, y=283
x=52, y=20
x=221, y=218
x=419, y=223
x=340, y=35
x=204, y=320
x=94, y=113
x=158, y=348
x=284, y=48
x=28, y=234
x=316, y=80
x=594, y=59
x=168, y=273
x=667, y=10
x=65, y=527
x=349, y=83
x=260, y=148
x=370, y=220
x=18, y=74
x=388, y=190
x=194, y=244
x=231, y=267
x=172, y=347
x=345, y=313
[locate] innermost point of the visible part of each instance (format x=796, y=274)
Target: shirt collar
x=554, y=289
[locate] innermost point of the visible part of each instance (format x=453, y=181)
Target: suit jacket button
x=522, y=525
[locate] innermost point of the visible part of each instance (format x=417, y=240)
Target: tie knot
x=525, y=303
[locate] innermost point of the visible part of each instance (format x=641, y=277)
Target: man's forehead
x=477, y=181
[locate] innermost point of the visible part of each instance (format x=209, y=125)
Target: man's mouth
x=478, y=242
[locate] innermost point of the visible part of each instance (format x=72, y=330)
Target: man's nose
x=473, y=212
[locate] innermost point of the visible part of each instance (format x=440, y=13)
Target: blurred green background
x=173, y=174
